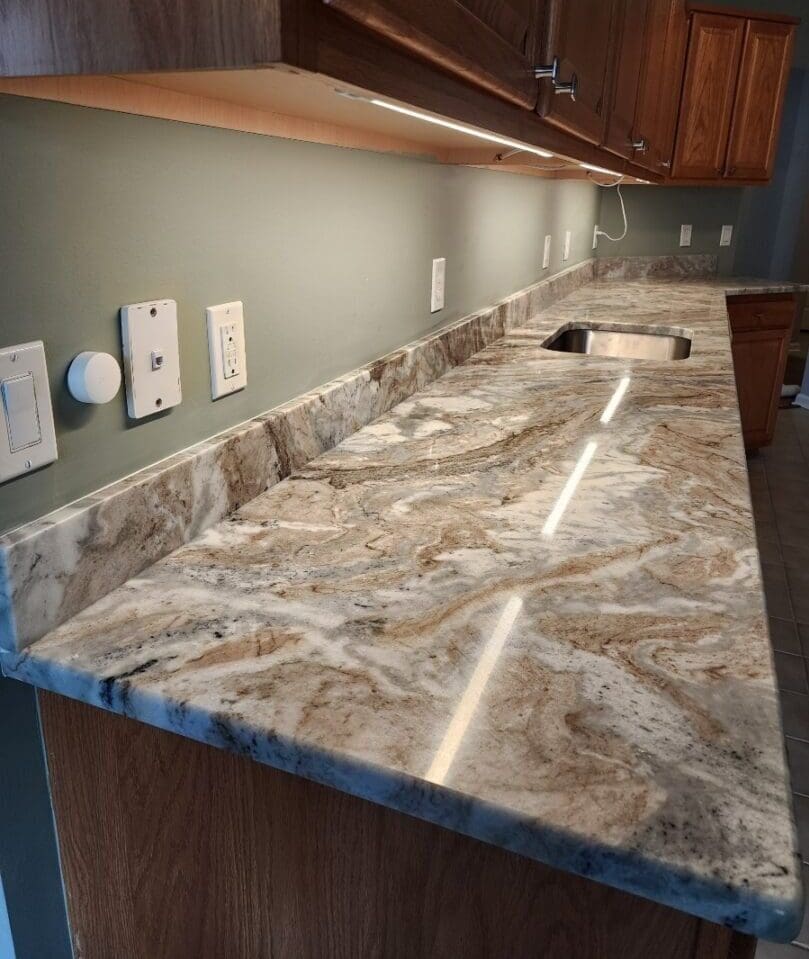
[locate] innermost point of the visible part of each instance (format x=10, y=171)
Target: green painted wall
x=654, y=215
x=330, y=249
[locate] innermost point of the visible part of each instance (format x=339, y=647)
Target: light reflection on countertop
x=525, y=604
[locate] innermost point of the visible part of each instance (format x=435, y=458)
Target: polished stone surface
x=525, y=604
x=54, y=567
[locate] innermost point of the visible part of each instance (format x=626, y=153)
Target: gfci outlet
x=546, y=253
x=685, y=234
x=226, y=348
x=438, y=284
x=566, y=250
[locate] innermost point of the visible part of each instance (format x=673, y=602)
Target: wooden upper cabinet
x=489, y=43
x=660, y=85
x=706, y=108
x=760, y=94
x=579, y=34
x=628, y=48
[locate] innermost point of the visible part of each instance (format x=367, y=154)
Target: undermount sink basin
x=626, y=341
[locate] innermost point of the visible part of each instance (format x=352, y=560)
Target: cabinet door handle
x=665, y=163
x=640, y=145
x=569, y=88
x=550, y=72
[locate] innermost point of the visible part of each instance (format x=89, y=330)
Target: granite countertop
x=525, y=604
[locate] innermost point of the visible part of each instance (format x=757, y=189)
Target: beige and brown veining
x=400, y=618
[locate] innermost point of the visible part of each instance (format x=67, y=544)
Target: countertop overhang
x=525, y=604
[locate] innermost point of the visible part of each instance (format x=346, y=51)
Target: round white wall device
x=94, y=377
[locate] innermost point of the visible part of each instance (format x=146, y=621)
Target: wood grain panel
x=661, y=83
x=631, y=39
x=172, y=849
x=712, y=69
x=763, y=74
x=449, y=35
x=760, y=333
x=579, y=33
x=118, y=36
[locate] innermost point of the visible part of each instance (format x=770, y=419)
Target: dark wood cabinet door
x=709, y=88
x=766, y=59
x=760, y=331
x=631, y=18
x=488, y=42
x=578, y=32
x=660, y=85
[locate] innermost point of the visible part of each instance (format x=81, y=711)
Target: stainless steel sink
x=625, y=341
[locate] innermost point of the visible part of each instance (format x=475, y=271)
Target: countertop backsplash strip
x=55, y=566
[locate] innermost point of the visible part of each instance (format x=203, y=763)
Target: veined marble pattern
x=649, y=267
x=524, y=604
x=57, y=565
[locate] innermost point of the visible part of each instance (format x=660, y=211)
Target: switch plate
x=226, y=348
x=726, y=236
x=27, y=437
x=546, y=253
x=438, y=284
x=566, y=251
x=685, y=234
x=151, y=357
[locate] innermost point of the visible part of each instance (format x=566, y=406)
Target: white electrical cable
x=615, y=239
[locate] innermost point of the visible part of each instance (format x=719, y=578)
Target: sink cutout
x=625, y=342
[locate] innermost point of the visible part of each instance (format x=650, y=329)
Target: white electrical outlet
x=566, y=251
x=151, y=357
x=685, y=234
x=595, y=236
x=226, y=348
x=726, y=235
x=546, y=253
x=438, y=284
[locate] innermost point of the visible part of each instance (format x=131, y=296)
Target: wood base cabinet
x=761, y=328
x=172, y=850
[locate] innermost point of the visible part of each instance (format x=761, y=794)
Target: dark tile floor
x=779, y=481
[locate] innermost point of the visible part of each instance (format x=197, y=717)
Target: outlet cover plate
x=151, y=357
x=685, y=234
x=438, y=284
x=546, y=253
x=226, y=348
x=726, y=236
x=566, y=251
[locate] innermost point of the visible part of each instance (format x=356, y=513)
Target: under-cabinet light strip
x=460, y=128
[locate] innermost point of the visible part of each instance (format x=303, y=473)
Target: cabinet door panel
x=759, y=100
x=512, y=20
x=760, y=332
x=630, y=37
x=661, y=83
x=578, y=33
x=712, y=67
x=484, y=41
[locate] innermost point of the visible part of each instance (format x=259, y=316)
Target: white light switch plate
x=546, y=253
x=151, y=357
x=27, y=437
x=566, y=251
x=226, y=348
x=438, y=284
x=685, y=234
x=726, y=235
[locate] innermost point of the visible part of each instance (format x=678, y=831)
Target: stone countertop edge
x=739, y=909
x=767, y=904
